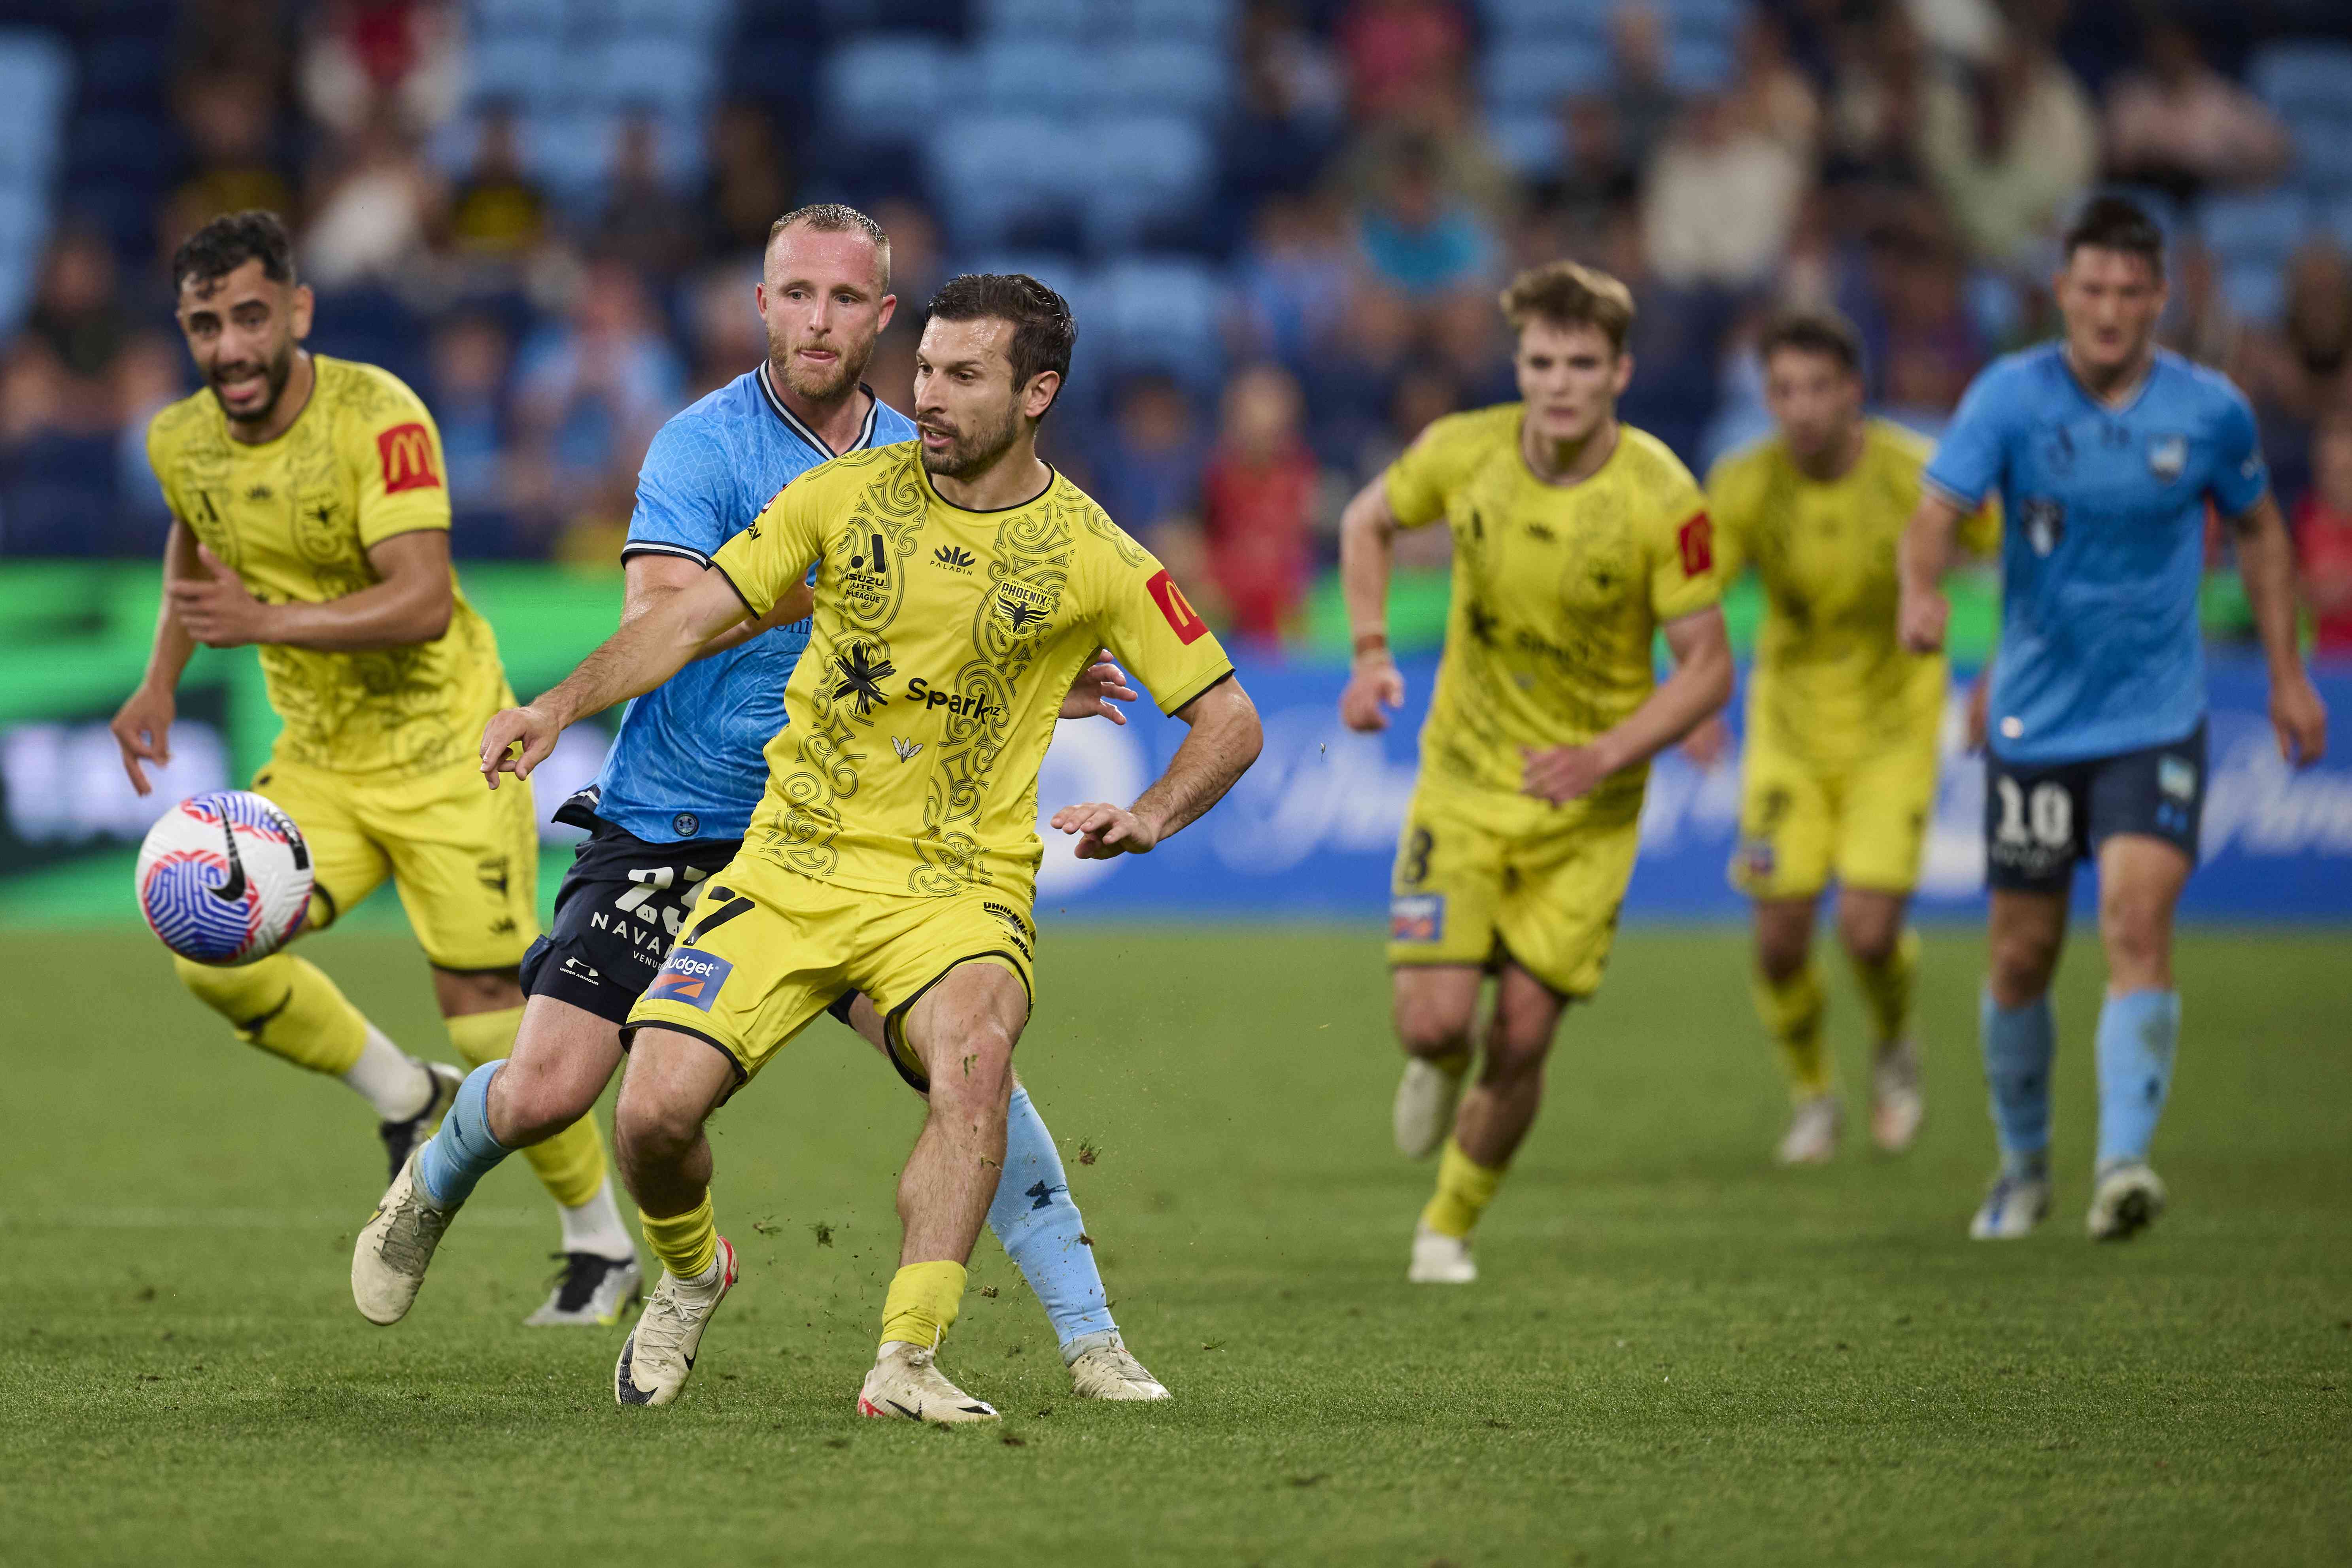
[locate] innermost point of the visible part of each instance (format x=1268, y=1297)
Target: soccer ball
x=225, y=877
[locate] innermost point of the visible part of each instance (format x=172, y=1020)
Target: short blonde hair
x=1568, y=294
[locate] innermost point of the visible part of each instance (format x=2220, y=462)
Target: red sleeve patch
x=1697, y=538
x=1186, y=621
x=407, y=454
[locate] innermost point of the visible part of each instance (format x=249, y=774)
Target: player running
x=1838, y=774
x=1576, y=538
x=2104, y=450
x=681, y=783
x=310, y=519
x=961, y=585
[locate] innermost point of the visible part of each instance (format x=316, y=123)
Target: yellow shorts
x=1866, y=822
x=767, y=950
x=1485, y=878
x=464, y=860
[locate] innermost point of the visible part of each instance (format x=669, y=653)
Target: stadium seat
x=1060, y=20
x=118, y=144
x=122, y=69
x=1535, y=21
x=1149, y=173
x=2303, y=80
x=1537, y=76
x=1175, y=77
x=2256, y=290
x=523, y=69
x=675, y=75
x=700, y=20
x=991, y=173
x=2322, y=157
x=36, y=88
x=871, y=84
x=570, y=150
x=1698, y=62
x=2338, y=219
x=2261, y=227
x=1196, y=21
x=498, y=18
x=1035, y=76
x=1530, y=142
x=1164, y=314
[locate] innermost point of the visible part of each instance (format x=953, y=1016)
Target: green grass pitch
x=1678, y=1354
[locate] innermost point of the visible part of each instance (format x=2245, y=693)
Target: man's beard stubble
x=276, y=374
x=846, y=371
x=973, y=450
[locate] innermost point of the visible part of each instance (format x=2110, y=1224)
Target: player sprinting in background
x=1838, y=773
x=310, y=519
x=1576, y=538
x=960, y=586
x=681, y=783
x=2104, y=450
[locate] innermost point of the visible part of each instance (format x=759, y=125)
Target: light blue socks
x=2138, y=1033
x=1041, y=1228
x=462, y=1152
x=2019, y=1043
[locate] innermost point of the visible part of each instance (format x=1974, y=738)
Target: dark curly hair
x=228, y=242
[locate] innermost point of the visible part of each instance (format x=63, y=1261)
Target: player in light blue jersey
x=2106, y=452
x=675, y=797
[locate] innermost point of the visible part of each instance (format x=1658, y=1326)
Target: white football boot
x=1101, y=1367
x=907, y=1384
x=658, y=1355
x=1814, y=1132
x=2125, y=1200
x=1897, y=1106
x=591, y=1290
x=1423, y=1112
x=394, y=1248
x=2015, y=1202
x=1440, y=1259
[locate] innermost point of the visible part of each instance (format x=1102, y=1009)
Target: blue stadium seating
x=497, y=18
x=2303, y=80
x=1149, y=173
x=1060, y=20
x=1166, y=314
x=991, y=173
x=1536, y=77
x=36, y=88
x=672, y=73
x=2323, y=156
x=2264, y=226
x=524, y=68
x=2256, y=290
x=1041, y=75
x=1177, y=78
x=870, y=85
x=1531, y=143
x=2338, y=219
x=1698, y=62
x=1198, y=21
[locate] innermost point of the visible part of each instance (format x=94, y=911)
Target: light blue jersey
x=688, y=762
x=2103, y=545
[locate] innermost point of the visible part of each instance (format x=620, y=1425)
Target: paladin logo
x=953, y=558
x=861, y=670
x=905, y=748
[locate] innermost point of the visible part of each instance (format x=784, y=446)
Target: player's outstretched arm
x=1925, y=552
x=1225, y=740
x=1700, y=684
x=644, y=652
x=410, y=601
x=1367, y=542
x=142, y=725
x=1098, y=690
x=648, y=579
x=2267, y=566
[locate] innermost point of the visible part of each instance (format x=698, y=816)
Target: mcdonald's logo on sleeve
x=407, y=454
x=1186, y=620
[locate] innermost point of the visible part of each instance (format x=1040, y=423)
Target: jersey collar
x=800, y=427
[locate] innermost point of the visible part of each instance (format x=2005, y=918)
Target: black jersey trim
x=655, y=547
x=1051, y=474
x=800, y=427
x=629, y=1040
x=894, y=1024
x=756, y=611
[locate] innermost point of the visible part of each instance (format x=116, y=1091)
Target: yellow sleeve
x=1425, y=476
x=1980, y=530
x=1683, y=579
x=394, y=450
x=1145, y=619
x=774, y=551
x=163, y=469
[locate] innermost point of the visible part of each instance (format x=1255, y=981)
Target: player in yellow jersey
x=961, y=585
x=311, y=521
x=1839, y=771
x=1576, y=541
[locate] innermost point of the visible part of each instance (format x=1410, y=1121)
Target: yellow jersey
x=942, y=645
x=1832, y=681
x=1557, y=593
x=295, y=518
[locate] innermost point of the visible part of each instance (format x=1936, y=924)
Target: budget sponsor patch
x=691, y=976
x=1417, y=917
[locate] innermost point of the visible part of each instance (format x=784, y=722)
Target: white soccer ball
x=225, y=877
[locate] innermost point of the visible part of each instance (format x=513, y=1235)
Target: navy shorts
x=621, y=905
x=2041, y=818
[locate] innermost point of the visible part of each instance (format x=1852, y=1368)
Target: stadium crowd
x=1281, y=222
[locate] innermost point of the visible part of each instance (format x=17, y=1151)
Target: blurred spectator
x=1284, y=129
x=148, y=372
x=1871, y=122
x=2007, y=144
x=644, y=221
x=1148, y=463
x=590, y=395
x=1397, y=50
x=1773, y=97
x=371, y=59
x=1677, y=343
x=1422, y=395
x=74, y=309
x=56, y=468
x=1721, y=198
x=1644, y=102
x=1467, y=342
x=2177, y=124
x=1597, y=178
x=1416, y=240
x=751, y=182
x=1920, y=331
x=2323, y=537
x=2301, y=370
x=917, y=264
x=470, y=359
x=498, y=214
x=1291, y=283
x=228, y=126
x=1258, y=500
x=1352, y=371
x=372, y=216
x=724, y=318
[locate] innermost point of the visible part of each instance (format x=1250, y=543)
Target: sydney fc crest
x=2167, y=456
x=2045, y=523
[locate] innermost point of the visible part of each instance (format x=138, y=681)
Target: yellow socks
x=686, y=1244
x=922, y=1305
x=1465, y=1188
x=285, y=1005
x=571, y=1165
x=1792, y=1010
x=1887, y=991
